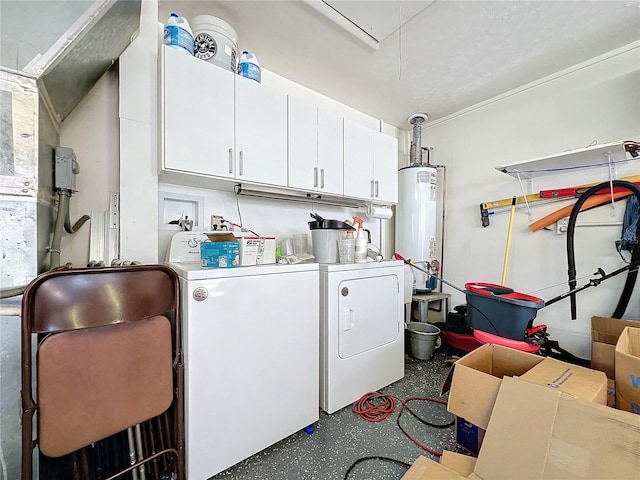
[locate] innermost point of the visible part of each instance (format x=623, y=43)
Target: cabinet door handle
x=231, y=160
x=372, y=188
x=377, y=189
x=315, y=177
x=322, y=178
x=241, y=163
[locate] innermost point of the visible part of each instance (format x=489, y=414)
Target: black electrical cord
x=375, y=407
x=571, y=260
x=405, y=406
x=375, y=457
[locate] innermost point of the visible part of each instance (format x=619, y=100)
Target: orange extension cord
x=375, y=407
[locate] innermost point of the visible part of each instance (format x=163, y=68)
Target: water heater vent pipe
x=417, y=120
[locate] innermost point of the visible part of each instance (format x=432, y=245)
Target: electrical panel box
x=65, y=169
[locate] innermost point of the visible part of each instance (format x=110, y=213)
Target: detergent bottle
x=360, y=251
x=249, y=67
x=177, y=33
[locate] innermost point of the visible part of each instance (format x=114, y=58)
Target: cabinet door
x=198, y=115
x=385, y=168
x=330, y=152
x=303, y=144
x=358, y=160
x=261, y=133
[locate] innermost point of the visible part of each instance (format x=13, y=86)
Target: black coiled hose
x=635, y=254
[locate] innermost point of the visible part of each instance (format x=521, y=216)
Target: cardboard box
x=627, y=358
x=425, y=469
x=556, y=436
x=604, y=336
x=611, y=393
x=462, y=464
x=257, y=250
x=221, y=251
x=560, y=436
x=475, y=380
x=578, y=381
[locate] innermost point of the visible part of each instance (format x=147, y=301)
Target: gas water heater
x=416, y=210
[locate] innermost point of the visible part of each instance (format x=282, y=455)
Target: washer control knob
x=200, y=294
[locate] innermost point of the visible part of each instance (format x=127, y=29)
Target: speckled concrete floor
x=343, y=437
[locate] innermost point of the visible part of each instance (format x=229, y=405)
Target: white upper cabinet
x=216, y=123
x=358, y=160
x=315, y=148
x=197, y=116
x=261, y=133
x=330, y=151
x=370, y=164
x=385, y=168
x=223, y=126
x=303, y=144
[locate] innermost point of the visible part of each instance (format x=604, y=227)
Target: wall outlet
x=217, y=223
x=562, y=226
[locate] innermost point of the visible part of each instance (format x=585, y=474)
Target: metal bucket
x=423, y=338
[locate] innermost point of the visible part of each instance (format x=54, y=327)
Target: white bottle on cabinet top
x=249, y=67
x=177, y=33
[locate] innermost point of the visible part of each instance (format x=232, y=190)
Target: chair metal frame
x=65, y=300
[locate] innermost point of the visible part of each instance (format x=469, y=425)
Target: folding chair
x=108, y=358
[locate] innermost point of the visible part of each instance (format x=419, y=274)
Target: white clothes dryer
x=361, y=330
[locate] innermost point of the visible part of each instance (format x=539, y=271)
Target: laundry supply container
x=178, y=33
x=249, y=67
x=324, y=237
x=215, y=41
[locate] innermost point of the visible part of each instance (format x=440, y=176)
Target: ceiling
x=435, y=57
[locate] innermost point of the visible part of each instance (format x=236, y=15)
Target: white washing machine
x=361, y=330
x=250, y=343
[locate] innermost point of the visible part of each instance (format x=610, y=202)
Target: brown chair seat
x=110, y=359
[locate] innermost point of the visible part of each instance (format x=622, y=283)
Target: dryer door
x=368, y=314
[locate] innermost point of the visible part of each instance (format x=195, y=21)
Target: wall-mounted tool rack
x=597, y=156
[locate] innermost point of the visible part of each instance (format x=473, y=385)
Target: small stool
x=424, y=299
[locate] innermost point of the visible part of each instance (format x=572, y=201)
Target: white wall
x=600, y=101
x=266, y=217
x=92, y=131
x=139, y=141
